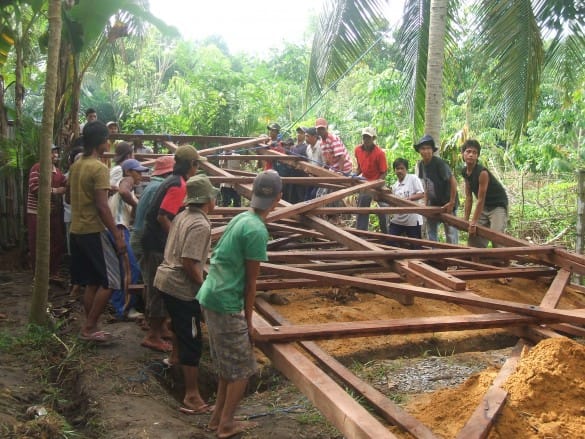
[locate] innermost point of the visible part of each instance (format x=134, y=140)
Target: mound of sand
x=546, y=397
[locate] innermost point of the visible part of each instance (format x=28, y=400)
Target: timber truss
x=306, y=250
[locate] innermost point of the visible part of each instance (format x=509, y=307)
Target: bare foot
x=236, y=428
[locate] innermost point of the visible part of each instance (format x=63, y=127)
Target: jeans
x=363, y=219
x=451, y=232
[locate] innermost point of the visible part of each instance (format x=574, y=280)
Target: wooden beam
x=528, y=272
x=481, y=421
x=555, y=291
x=442, y=277
x=462, y=298
x=383, y=406
x=346, y=414
x=412, y=254
x=416, y=325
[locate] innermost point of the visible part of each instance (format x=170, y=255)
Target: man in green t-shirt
x=94, y=251
x=227, y=297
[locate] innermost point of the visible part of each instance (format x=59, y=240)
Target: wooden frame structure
x=308, y=251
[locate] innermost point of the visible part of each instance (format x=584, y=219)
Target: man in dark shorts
x=227, y=297
x=179, y=278
x=166, y=204
x=96, y=242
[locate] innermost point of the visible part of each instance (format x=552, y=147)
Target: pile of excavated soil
x=546, y=397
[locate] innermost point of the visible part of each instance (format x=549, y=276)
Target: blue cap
x=140, y=132
x=133, y=165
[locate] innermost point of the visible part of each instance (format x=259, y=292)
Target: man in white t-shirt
x=409, y=187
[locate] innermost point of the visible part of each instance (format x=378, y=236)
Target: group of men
x=434, y=182
x=171, y=239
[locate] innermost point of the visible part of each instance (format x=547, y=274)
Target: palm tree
x=509, y=49
x=38, y=308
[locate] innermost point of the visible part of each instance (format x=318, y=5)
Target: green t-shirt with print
x=245, y=238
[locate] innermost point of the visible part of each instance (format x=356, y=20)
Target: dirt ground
x=123, y=390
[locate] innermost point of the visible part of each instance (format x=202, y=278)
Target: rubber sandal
x=202, y=410
x=97, y=337
x=162, y=346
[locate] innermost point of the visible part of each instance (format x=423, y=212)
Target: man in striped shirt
x=58, y=184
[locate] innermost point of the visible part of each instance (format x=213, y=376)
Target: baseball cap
x=112, y=122
x=133, y=165
x=369, y=131
x=321, y=123
x=139, y=132
x=301, y=129
x=273, y=126
x=311, y=131
x=266, y=188
x=426, y=140
x=123, y=149
x=163, y=165
x=200, y=190
x=188, y=153
x=54, y=147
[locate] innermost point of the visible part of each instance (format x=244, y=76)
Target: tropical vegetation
x=513, y=77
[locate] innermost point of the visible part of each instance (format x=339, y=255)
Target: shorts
x=155, y=306
x=231, y=349
x=94, y=260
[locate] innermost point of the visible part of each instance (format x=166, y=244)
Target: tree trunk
x=436, y=57
x=38, y=314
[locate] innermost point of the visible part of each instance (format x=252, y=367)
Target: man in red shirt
x=372, y=165
x=58, y=185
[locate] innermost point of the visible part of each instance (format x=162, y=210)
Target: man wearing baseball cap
x=372, y=165
x=334, y=151
x=227, y=297
x=165, y=205
x=179, y=278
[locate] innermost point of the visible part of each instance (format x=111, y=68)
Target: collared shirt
x=372, y=163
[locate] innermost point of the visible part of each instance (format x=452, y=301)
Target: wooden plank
x=483, y=418
x=410, y=254
x=415, y=325
x=292, y=210
x=555, y=290
x=419, y=242
x=528, y=272
x=353, y=242
x=462, y=298
x=415, y=278
x=442, y=277
x=306, y=181
x=346, y=414
x=383, y=406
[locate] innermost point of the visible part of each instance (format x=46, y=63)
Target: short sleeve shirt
x=372, y=163
x=334, y=143
x=86, y=176
x=168, y=200
x=189, y=237
x=244, y=239
x=403, y=189
x=436, y=177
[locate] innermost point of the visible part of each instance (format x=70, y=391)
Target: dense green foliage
x=164, y=85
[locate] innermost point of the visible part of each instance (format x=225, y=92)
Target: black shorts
x=186, y=324
x=94, y=261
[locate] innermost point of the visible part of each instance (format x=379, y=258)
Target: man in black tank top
x=491, y=209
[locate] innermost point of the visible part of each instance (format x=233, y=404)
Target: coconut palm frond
x=347, y=28
x=511, y=39
x=413, y=44
x=563, y=23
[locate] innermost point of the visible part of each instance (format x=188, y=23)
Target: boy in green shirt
x=227, y=297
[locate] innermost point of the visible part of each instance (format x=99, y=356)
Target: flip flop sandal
x=204, y=409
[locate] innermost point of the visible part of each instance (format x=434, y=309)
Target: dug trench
x=123, y=390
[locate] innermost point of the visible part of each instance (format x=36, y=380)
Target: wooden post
x=580, y=217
